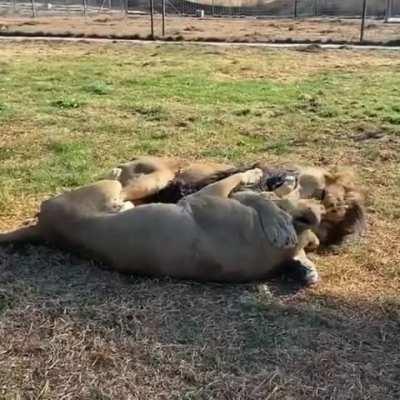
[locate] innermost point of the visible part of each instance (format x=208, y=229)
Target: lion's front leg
x=306, y=269
x=301, y=268
x=224, y=187
x=141, y=186
x=308, y=241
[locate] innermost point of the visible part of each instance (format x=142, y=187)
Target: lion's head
x=344, y=215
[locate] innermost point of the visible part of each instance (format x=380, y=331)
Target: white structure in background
x=389, y=13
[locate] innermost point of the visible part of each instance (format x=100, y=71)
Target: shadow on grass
x=155, y=338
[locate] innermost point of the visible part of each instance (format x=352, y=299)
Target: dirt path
x=309, y=47
x=251, y=30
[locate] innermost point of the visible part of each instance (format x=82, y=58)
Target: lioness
x=149, y=179
x=206, y=236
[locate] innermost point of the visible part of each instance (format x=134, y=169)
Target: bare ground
x=207, y=29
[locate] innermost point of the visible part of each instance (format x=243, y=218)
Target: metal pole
x=84, y=7
x=152, y=18
x=33, y=8
x=388, y=10
x=163, y=17
x=363, y=18
x=315, y=8
x=295, y=9
x=14, y=6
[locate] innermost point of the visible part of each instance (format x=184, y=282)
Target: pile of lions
x=203, y=221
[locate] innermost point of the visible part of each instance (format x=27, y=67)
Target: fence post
x=152, y=19
x=163, y=17
x=33, y=8
x=388, y=10
x=316, y=8
x=84, y=6
x=363, y=18
x=295, y=9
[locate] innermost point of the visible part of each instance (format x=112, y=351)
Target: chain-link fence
x=278, y=8
x=267, y=8
x=43, y=8
x=327, y=21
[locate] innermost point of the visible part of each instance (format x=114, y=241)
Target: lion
x=212, y=234
x=148, y=179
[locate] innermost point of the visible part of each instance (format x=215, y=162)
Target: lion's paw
x=114, y=174
x=127, y=205
x=252, y=176
x=118, y=206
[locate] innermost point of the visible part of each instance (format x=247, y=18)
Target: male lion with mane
x=147, y=179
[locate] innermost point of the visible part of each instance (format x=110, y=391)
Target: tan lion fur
x=206, y=236
x=336, y=190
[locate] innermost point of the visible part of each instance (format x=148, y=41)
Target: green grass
x=230, y=105
x=69, y=164
x=99, y=88
x=70, y=112
x=66, y=102
x=180, y=103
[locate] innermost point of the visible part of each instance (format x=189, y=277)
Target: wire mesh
x=267, y=8
x=274, y=8
x=59, y=7
x=319, y=11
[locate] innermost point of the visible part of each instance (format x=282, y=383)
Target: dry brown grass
x=78, y=332
x=222, y=29
x=70, y=330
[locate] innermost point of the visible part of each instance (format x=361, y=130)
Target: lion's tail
x=21, y=235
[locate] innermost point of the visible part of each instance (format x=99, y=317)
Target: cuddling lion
x=153, y=179
x=213, y=234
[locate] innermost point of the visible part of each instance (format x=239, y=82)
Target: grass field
x=70, y=330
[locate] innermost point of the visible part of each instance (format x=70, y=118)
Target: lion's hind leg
x=102, y=196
